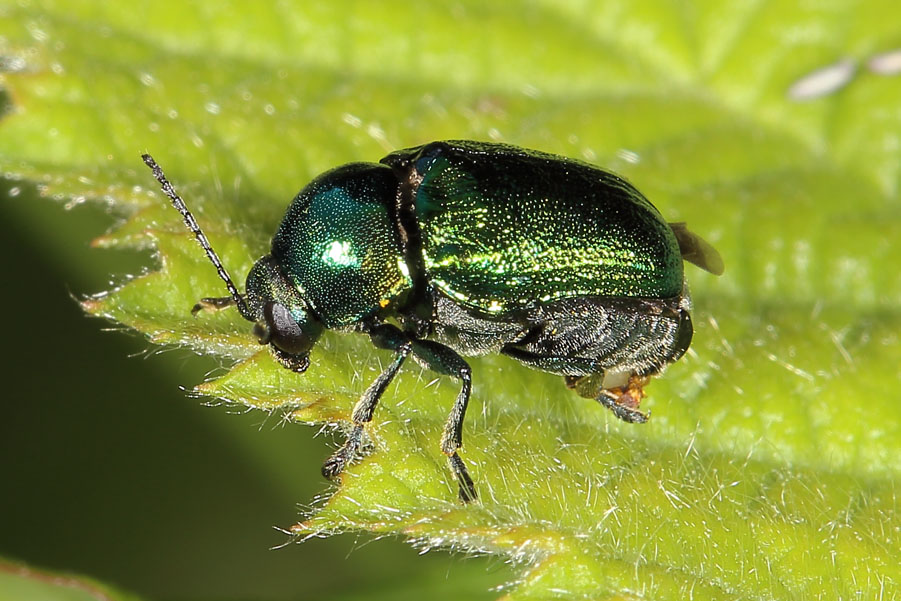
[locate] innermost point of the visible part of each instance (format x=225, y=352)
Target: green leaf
x=768, y=469
x=19, y=582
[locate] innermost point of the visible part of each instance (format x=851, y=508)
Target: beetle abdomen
x=518, y=228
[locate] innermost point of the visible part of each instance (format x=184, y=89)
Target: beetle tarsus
x=611, y=401
x=467, y=490
x=335, y=464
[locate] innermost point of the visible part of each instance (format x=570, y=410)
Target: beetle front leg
x=383, y=337
x=444, y=360
x=211, y=304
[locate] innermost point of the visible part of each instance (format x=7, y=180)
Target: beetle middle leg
x=444, y=360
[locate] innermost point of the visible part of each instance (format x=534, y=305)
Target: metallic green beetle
x=474, y=248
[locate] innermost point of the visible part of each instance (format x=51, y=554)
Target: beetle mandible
x=473, y=248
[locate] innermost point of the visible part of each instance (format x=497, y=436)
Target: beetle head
x=280, y=314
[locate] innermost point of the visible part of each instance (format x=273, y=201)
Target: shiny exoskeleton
x=473, y=248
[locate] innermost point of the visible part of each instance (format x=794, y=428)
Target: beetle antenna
x=182, y=208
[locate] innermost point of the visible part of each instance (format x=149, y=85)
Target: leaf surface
x=768, y=469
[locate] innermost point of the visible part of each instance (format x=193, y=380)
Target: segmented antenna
x=180, y=206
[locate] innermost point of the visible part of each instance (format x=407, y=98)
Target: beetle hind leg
x=617, y=404
x=622, y=401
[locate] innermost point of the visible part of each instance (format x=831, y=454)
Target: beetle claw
x=467, y=489
x=333, y=466
x=340, y=459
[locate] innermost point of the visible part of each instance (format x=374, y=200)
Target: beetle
x=464, y=248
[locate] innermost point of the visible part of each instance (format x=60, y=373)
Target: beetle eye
x=262, y=331
x=287, y=333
